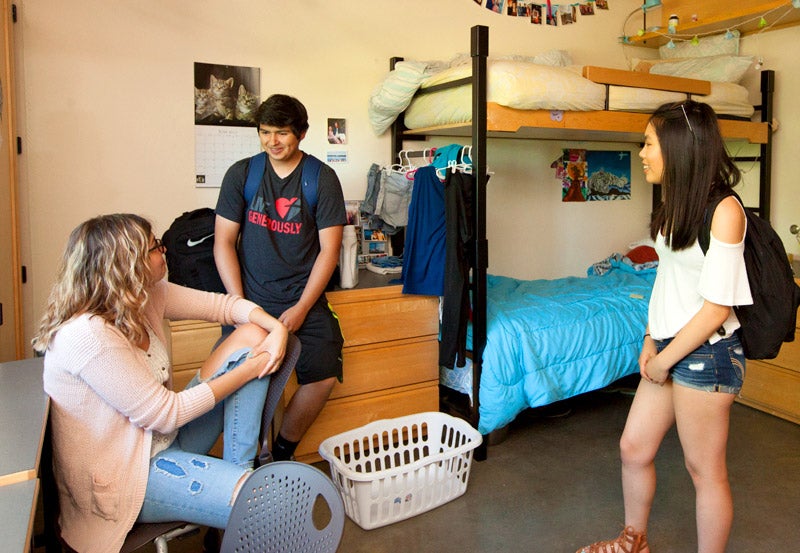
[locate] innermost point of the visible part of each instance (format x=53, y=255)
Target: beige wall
x=106, y=115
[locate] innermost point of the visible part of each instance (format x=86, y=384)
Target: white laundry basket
x=394, y=469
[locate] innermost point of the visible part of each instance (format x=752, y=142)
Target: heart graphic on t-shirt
x=283, y=205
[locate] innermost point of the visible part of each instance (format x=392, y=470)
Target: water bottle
x=348, y=258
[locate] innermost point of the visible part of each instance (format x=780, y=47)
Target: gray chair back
x=277, y=382
x=275, y=512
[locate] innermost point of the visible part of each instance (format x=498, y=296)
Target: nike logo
x=191, y=242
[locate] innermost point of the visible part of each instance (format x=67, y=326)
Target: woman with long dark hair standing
x=692, y=363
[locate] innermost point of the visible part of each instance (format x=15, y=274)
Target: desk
x=17, y=508
x=23, y=418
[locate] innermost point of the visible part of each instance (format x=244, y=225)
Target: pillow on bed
x=530, y=86
x=394, y=94
x=716, y=45
x=642, y=254
x=725, y=98
x=720, y=69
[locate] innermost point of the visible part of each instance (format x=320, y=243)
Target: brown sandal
x=629, y=541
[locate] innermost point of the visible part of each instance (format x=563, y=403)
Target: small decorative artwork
x=594, y=175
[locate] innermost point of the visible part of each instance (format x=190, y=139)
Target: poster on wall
x=594, y=175
x=226, y=98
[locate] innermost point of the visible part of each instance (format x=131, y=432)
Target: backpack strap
x=704, y=234
x=309, y=177
x=255, y=172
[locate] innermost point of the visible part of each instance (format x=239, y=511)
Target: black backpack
x=772, y=318
x=190, y=237
x=190, y=251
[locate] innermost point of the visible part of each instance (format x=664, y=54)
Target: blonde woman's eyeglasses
x=159, y=245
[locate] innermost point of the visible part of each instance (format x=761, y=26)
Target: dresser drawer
x=182, y=374
x=789, y=356
x=369, y=322
x=340, y=415
x=773, y=389
x=391, y=365
x=192, y=341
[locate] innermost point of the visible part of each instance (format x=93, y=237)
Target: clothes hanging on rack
x=452, y=155
x=387, y=198
x=456, y=307
x=426, y=258
x=423, y=258
x=394, y=198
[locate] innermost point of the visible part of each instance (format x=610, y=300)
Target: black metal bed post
x=479, y=52
x=765, y=165
x=398, y=126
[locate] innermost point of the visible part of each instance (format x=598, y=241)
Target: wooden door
x=10, y=266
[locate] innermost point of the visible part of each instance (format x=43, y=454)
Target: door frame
x=12, y=318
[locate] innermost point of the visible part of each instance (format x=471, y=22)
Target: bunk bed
x=489, y=119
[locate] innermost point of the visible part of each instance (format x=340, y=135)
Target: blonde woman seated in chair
x=126, y=448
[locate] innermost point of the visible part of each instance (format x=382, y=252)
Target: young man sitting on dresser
x=280, y=248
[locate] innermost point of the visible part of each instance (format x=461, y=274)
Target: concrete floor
x=553, y=485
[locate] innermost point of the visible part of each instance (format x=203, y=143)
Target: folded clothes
x=386, y=265
x=384, y=270
x=387, y=261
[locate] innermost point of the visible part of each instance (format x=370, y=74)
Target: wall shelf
x=703, y=17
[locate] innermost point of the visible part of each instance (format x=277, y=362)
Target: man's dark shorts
x=320, y=339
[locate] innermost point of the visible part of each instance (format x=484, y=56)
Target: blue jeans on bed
x=185, y=483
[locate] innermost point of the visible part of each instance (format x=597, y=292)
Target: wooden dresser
x=390, y=360
x=773, y=385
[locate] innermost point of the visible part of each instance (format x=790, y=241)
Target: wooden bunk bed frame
x=491, y=120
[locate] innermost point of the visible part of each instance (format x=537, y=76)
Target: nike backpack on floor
x=190, y=251
x=190, y=238
x=772, y=318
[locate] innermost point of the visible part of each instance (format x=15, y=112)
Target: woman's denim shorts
x=717, y=367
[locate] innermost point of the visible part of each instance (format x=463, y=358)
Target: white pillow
x=715, y=45
x=720, y=69
x=394, y=94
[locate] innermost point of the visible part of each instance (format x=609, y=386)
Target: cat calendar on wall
x=226, y=98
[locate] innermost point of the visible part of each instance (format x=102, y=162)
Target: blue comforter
x=549, y=340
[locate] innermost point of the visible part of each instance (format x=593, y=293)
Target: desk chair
x=277, y=383
x=275, y=512
x=159, y=533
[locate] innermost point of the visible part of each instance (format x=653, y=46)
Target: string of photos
x=544, y=13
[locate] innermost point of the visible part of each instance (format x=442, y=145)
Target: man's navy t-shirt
x=279, y=232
